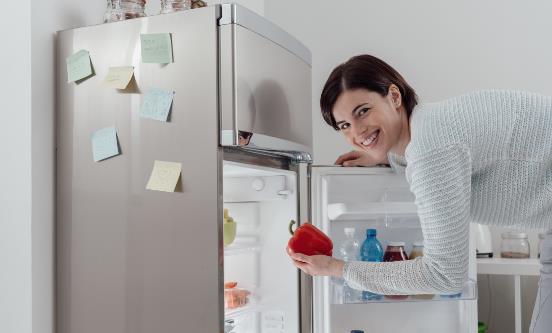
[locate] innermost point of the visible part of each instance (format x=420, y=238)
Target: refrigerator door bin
x=469, y=292
x=377, y=198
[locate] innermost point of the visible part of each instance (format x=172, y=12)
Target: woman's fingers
x=347, y=156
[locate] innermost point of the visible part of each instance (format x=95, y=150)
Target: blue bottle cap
x=371, y=232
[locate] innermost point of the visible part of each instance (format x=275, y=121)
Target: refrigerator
x=209, y=255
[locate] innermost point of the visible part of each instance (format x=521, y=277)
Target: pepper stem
x=291, y=223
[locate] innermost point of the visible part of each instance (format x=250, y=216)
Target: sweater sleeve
x=441, y=182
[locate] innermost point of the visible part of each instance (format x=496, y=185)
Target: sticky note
x=156, y=48
x=164, y=176
x=156, y=104
x=78, y=66
x=104, y=143
x=119, y=77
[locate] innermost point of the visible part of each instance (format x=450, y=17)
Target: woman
x=482, y=157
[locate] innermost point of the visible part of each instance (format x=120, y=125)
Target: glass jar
x=171, y=6
x=395, y=252
x=417, y=250
x=119, y=10
x=515, y=245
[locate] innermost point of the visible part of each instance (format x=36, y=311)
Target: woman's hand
x=317, y=265
x=355, y=158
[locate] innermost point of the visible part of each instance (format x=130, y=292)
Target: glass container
x=119, y=10
x=515, y=245
x=395, y=252
x=171, y=6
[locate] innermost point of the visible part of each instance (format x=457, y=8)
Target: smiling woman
x=370, y=103
x=480, y=157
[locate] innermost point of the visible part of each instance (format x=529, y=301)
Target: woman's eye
x=344, y=126
x=362, y=111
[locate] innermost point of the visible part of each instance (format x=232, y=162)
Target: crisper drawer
x=265, y=84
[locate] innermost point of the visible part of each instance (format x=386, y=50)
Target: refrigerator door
x=265, y=84
x=261, y=195
x=131, y=259
x=363, y=198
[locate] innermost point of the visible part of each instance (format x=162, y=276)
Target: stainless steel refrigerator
x=133, y=260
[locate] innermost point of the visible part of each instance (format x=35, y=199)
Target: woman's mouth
x=371, y=140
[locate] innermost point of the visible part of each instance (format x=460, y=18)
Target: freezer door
x=131, y=259
x=265, y=84
x=363, y=198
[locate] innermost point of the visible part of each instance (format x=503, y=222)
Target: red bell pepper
x=309, y=240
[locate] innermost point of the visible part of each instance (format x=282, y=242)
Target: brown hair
x=364, y=72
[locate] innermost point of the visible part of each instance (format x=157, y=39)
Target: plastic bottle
x=349, y=250
x=372, y=251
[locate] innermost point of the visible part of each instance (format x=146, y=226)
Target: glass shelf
x=234, y=313
x=469, y=292
x=241, y=248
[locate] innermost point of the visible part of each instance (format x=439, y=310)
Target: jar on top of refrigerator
x=514, y=245
x=119, y=10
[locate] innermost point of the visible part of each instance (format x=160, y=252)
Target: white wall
x=15, y=169
x=442, y=48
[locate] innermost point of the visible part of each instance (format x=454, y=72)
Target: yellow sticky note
x=164, y=176
x=119, y=77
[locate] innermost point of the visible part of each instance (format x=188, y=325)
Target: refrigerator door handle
x=304, y=215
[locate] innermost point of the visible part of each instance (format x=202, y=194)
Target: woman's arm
x=441, y=182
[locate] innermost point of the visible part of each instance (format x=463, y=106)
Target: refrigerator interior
x=262, y=201
x=377, y=198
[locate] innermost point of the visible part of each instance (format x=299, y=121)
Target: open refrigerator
x=134, y=260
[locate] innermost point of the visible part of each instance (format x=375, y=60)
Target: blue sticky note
x=156, y=104
x=156, y=48
x=104, y=143
x=78, y=66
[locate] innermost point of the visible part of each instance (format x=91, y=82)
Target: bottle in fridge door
x=349, y=250
x=372, y=251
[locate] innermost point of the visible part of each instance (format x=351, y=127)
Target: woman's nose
x=357, y=129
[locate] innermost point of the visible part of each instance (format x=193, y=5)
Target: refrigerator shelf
x=469, y=292
x=234, y=313
x=237, y=248
x=362, y=211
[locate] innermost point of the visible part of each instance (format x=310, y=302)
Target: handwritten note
x=156, y=104
x=156, y=48
x=104, y=143
x=119, y=77
x=164, y=176
x=78, y=66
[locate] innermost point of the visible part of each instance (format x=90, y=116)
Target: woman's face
x=370, y=121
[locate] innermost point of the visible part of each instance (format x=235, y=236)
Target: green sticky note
x=156, y=104
x=104, y=144
x=78, y=66
x=156, y=48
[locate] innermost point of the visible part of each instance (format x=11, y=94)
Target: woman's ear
x=395, y=94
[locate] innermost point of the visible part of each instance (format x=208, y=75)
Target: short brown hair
x=364, y=72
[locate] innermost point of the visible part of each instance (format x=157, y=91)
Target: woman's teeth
x=370, y=139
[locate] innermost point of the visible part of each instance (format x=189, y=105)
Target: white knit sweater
x=483, y=157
